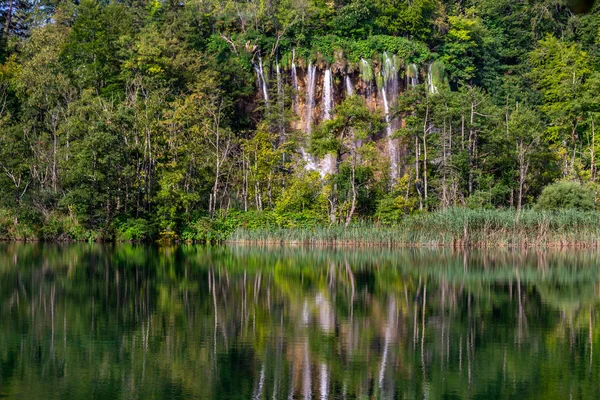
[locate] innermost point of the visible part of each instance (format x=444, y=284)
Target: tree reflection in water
x=92, y=321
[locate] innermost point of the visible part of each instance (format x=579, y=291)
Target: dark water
x=127, y=322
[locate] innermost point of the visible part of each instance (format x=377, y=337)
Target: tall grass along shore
x=458, y=228
x=454, y=228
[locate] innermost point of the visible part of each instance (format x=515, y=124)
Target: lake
x=137, y=322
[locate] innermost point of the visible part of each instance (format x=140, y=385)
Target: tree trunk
x=333, y=204
x=593, y=153
x=471, y=148
x=523, y=168
x=353, y=205
x=425, y=129
x=245, y=182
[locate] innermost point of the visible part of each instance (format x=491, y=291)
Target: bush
x=62, y=228
x=391, y=210
x=207, y=230
x=23, y=229
x=135, y=230
x=566, y=196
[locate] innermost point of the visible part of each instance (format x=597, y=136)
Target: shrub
x=63, y=228
x=566, y=195
x=391, y=210
x=135, y=230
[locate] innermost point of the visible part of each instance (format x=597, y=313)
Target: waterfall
x=390, y=75
x=349, y=87
x=389, y=92
x=309, y=160
x=430, y=85
x=262, y=81
x=366, y=74
x=327, y=95
x=327, y=165
x=295, y=83
x=389, y=132
x=310, y=95
x=412, y=75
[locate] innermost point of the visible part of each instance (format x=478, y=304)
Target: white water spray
x=327, y=95
x=430, y=85
x=262, y=81
x=366, y=74
x=349, y=87
x=295, y=83
x=412, y=75
x=392, y=148
x=310, y=95
x=389, y=92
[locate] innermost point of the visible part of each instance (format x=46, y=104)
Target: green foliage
x=566, y=195
x=463, y=46
x=458, y=227
x=135, y=230
x=301, y=195
x=137, y=121
x=61, y=228
x=398, y=204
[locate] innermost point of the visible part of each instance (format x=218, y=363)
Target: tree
x=559, y=71
x=524, y=130
x=566, y=195
x=341, y=136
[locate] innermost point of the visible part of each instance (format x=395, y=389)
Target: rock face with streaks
x=317, y=88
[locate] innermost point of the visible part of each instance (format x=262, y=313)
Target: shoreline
x=455, y=228
x=339, y=244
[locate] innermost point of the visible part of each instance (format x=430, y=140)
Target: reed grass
x=458, y=228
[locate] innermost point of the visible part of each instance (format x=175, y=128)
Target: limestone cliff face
x=317, y=88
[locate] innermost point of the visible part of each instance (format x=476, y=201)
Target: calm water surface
x=134, y=322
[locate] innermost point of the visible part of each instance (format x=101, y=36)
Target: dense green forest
x=146, y=119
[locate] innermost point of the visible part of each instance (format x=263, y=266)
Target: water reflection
x=90, y=321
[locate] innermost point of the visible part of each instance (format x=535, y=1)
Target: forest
x=186, y=120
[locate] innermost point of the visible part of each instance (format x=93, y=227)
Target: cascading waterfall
x=309, y=161
x=310, y=95
x=349, y=87
x=262, y=81
x=389, y=92
x=390, y=75
x=295, y=83
x=389, y=132
x=430, y=85
x=412, y=75
x=327, y=94
x=327, y=165
x=366, y=74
